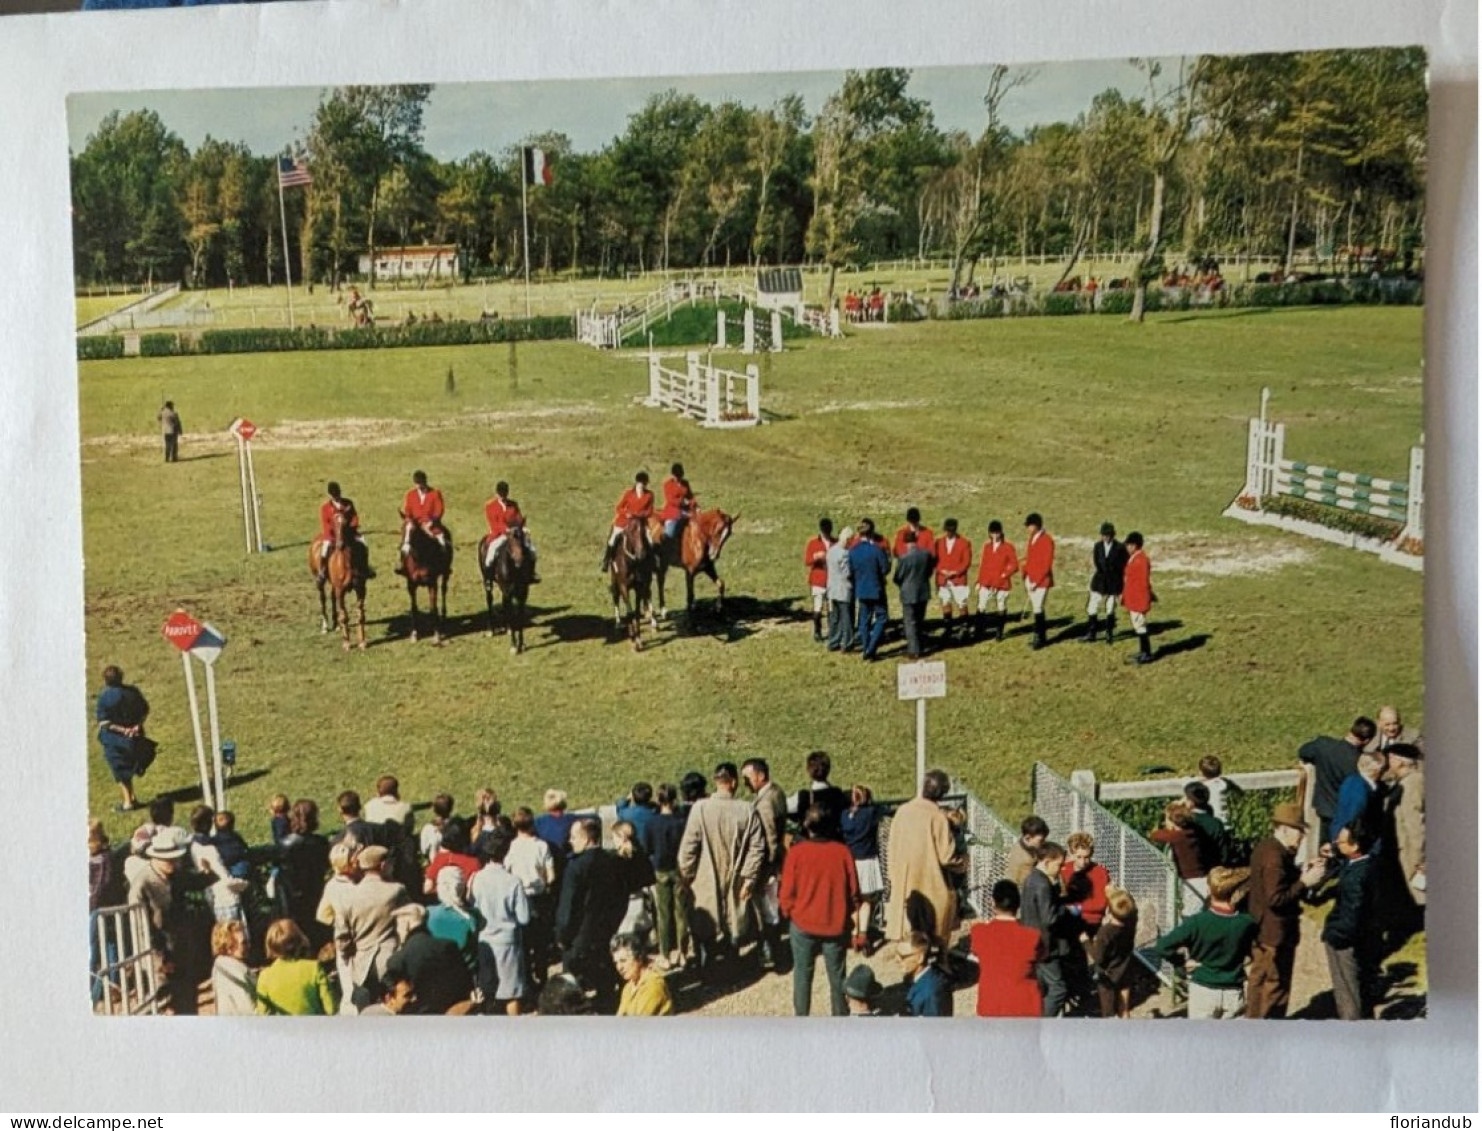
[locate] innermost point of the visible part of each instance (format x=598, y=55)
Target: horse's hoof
x=414, y=636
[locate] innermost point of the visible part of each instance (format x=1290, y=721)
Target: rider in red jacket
x=637, y=502
x=424, y=506
x=338, y=504
x=503, y=515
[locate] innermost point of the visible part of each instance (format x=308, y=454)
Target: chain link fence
x=1134, y=863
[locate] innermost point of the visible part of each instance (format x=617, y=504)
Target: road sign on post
x=243, y=429
x=195, y=638
x=921, y=681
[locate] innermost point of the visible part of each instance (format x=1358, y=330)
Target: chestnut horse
x=632, y=580
x=342, y=574
x=426, y=566
x=696, y=550
x=511, y=571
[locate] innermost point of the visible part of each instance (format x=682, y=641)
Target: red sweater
x=820, y=887
x=1088, y=889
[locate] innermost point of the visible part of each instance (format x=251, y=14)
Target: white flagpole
x=525, y=215
x=195, y=722
x=215, y=736
x=287, y=266
x=242, y=475
x=252, y=494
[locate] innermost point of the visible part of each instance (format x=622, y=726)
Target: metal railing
x=1135, y=864
x=125, y=974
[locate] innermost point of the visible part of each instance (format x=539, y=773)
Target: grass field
x=267, y=306
x=1081, y=419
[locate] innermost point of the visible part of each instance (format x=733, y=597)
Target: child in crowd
x=231, y=845
x=431, y=839
x=1221, y=789
x=1112, y=953
x=860, y=827
x=278, y=817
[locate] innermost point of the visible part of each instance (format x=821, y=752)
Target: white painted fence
x=715, y=397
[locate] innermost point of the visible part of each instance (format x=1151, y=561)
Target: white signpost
x=921, y=681
x=243, y=429
x=205, y=643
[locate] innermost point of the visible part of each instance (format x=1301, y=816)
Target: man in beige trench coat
x=719, y=856
x=920, y=848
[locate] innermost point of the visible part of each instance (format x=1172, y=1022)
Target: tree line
x=1263, y=154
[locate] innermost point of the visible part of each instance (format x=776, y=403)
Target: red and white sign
x=922, y=680
x=243, y=428
x=194, y=637
x=182, y=630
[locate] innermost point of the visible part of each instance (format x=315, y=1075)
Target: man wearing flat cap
x=1275, y=902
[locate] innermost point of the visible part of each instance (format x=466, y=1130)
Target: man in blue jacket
x=1351, y=937
x=869, y=565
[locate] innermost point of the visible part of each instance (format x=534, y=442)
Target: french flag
x=537, y=169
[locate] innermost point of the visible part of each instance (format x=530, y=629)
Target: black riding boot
x=1002, y=621
x=1039, y=640
x=1111, y=628
x=1091, y=629
x=818, y=627
x=1144, y=650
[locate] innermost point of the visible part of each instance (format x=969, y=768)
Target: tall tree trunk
x=370, y=236
x=1291, y=230
x=1081, y=238
x=1155, y=234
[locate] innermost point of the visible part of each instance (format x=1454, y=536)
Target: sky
x=463, y=117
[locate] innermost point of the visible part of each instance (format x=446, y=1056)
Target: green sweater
x=296, y=986
x=1219, y=941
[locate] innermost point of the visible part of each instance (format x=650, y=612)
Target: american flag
x=292, y=172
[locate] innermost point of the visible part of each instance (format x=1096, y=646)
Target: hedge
x=1335, y=518
x=99, y=347
x=1247, y=816
x=270, y=339
x=1330, y=292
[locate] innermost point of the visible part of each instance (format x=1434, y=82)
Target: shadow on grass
x=203, y=455
x=740, y=618
x=1159, y=627
x=1205, y=315
x=193, y=792
x=1187, y=644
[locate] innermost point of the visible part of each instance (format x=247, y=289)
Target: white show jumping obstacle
x=820, y=321
x=597, y=330
x=1269, y=474
x=717, y=398
x=769, y=341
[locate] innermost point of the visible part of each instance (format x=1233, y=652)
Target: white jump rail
x=708, y=394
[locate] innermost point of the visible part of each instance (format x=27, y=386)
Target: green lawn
x=1083, y=419
x=92, y=307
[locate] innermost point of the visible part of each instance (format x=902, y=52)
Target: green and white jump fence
x=769, y=341
x=715, y=397
x=1269, y=474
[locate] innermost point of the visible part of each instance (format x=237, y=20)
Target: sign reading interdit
x=921, y=680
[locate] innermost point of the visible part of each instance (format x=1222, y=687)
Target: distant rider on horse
x=502, y=513
x=679, y=502
x=338, y=504
x=424, y=506
x=637, y=502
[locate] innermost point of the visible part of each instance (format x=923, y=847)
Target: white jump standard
x=716, y=397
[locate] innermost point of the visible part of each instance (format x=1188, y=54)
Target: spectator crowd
x=697, y=887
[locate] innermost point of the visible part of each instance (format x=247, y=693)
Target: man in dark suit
x=1334, y=759
x=913, y=575
x=1349, y=936
x=592, y=905
x=869, y=565
x=1108, y=562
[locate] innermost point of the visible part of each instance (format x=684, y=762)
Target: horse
x=427, y=565
x=343, y=573
x=511, y=571
x=632, y=581
x=696, y=550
